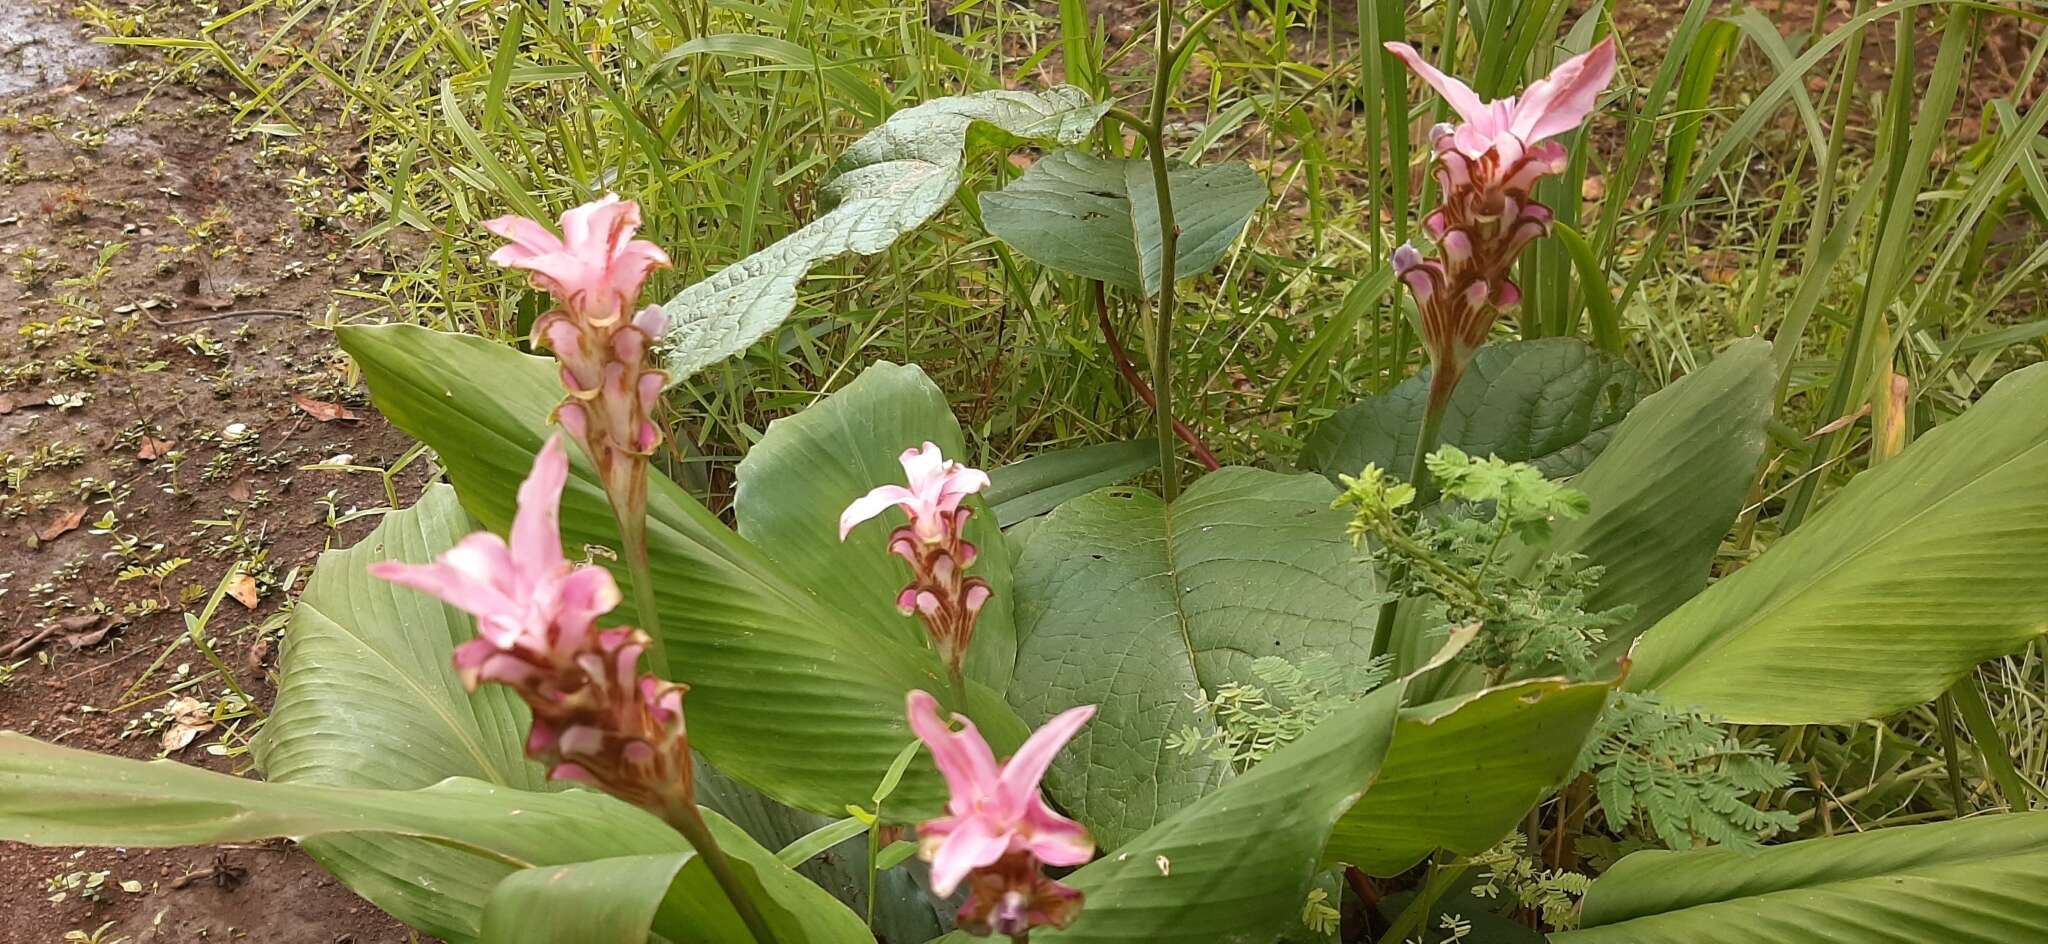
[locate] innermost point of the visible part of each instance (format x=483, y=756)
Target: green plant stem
x=1441, y=875
x=1976, y=717
x=688, y=821
x=1951, y=757
x=1425, y=443
x=1169, y=250
x=633, y=546
x=874, y=853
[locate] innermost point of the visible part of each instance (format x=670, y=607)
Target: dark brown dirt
x=150, y=398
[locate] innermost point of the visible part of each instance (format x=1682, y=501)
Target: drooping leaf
x=1034, y=486
x=888, y=183
x=1462, y=773
x=1669, y=486
x=1973, y=881
x=52, y=795
x=787, y=695
x=794, y=483
x=1126, y=603
x=1916, y=571
x=1552, y=402
x=1099, y=217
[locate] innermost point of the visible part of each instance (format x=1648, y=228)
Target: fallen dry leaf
x=190, y=718
x=152, y=448
x=239, y=490
x=243, y=589
x=66, y=520
x=322, y=410
x=1841, y=423
x=84, y=631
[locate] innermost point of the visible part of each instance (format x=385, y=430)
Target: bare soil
x=152, y=446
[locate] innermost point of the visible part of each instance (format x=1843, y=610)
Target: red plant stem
x=1137, y=381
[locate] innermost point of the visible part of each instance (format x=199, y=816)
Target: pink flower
x=594, y=268
x=937, y=486
x=994, y=810
x=521, y=591
x=1548, y=107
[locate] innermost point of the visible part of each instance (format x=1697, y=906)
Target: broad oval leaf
x=794, y=483
x=1462, y=773
x=1099, y=217
x=786, y=695
x=888, y=183
x=1553, y=403
x=1973, y=881
x=1916, y=571
x=1137, y=607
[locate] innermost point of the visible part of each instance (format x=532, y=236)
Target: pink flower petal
x=874, y=503
x=529, y=238
x=963, y=758
x=1023, y=771
x=1462, y=99
x=1055, y=839
x=1561, y=101
x=971, y=845
x=593, y=225
x=537, y=528
x=921, y=464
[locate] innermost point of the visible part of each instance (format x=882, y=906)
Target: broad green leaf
x=1462, y=773
x=52, y=795
x=602, y=900
x=618, y=900
x=1099, y=218
x=367, y=697
x=888, y=183
x=1236, y=864
x=1973, y=881
x=1669, y=486
x=1034, y=486
x=1916, y=571
x=787, y=694
x=1553, y=403
x=794, y=483
x=1136, y=607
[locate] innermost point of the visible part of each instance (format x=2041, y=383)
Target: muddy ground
x=166, y=389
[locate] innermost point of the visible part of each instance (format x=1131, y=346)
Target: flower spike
x=1488, y=164
x=940, y=593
